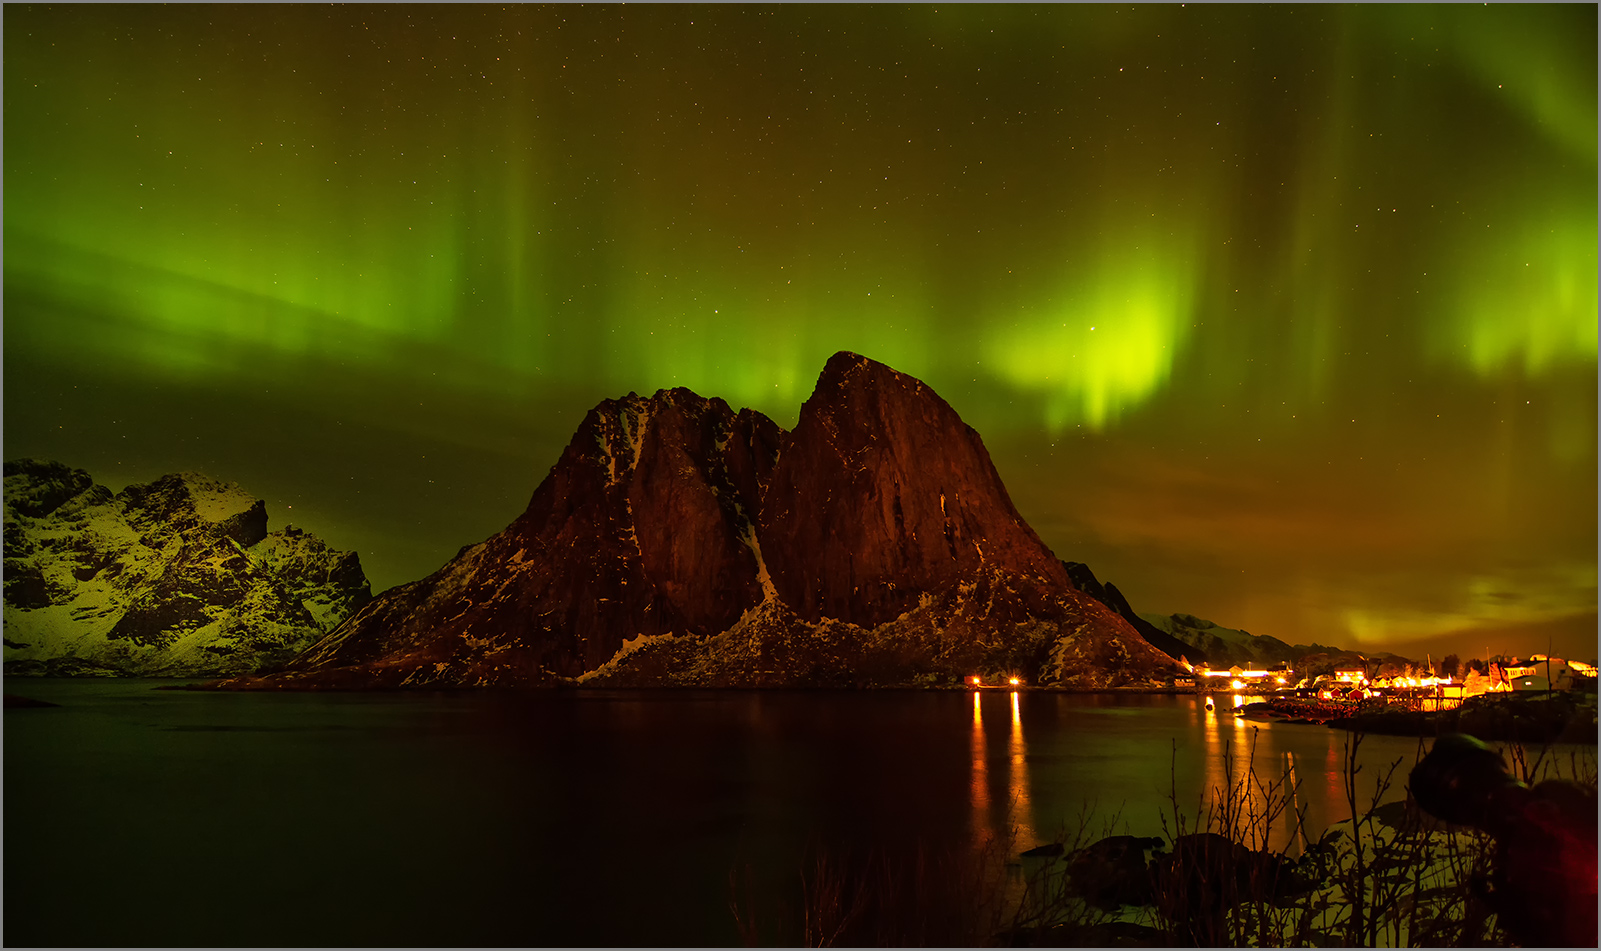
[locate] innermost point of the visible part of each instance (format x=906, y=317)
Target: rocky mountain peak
x=643, y=527
x=677, y=542
x=847, y=372
x=855, y=393
x=193, y=499
x=882, y=492
x=616, y=431
x=35, y=488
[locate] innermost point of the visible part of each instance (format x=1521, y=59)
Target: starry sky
x=1281, y=316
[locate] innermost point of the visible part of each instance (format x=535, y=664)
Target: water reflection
x=1014, y=821
x=1234, y=750
x=1242, y=738
x=981, y=781
x=541, y=791
x=1022, y=809
x=1305, y=764
x=1292, y=788
x=1334, y=775
x=1214, y=755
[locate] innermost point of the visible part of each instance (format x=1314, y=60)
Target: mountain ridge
x=1226, y=647
x=677, y=542
x=175, y=577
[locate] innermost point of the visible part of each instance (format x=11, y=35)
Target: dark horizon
x=1284, y=317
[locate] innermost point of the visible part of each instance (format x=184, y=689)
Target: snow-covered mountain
x=175, y=578
x=1225, y=646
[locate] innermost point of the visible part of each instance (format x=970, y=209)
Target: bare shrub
x=1390, y=875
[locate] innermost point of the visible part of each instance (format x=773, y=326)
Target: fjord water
x=143, y=817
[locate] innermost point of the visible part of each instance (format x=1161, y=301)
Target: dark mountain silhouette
x=1107, y=594
x=677, y=542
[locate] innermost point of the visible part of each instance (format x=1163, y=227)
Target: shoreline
x=1561, y=717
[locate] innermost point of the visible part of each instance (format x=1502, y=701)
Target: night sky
x=1283, y=317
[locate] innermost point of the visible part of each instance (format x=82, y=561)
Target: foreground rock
x=175, y=578
x=1114, y=871
x=678, y=542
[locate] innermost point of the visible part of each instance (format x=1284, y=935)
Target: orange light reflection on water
x=1292, y=788
x=980, y=784
x=1022, y=808
x=1229, y=759
x=1014, y=823
x=1216, y=780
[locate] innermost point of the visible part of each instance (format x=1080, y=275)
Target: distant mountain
x=177, y=577
x=1197, y=641
x=1226, y=647
x=1108, y=595
x=677, y=542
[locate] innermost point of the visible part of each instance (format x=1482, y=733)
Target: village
x=1375, y=687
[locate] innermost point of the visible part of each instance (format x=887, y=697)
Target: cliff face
x=882, y=494
x=175, y=578
x=642, y=528
x=677, y=542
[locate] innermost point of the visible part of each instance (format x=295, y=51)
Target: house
x=1476, y=683
x=1350, y=675
x=1447, y=696
x=1563, y=674
x=1233, y=673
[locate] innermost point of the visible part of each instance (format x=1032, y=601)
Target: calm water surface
x=140, y=817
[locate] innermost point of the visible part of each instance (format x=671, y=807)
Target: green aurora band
x=1285, y=316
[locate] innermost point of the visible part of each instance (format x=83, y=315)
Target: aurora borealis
x=1281, y=316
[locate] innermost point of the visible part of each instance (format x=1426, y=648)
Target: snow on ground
x=188, y=600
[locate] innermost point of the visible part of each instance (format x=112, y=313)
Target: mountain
x=1107, y=594
x=1197, y=641
x=1226, y=647
x=677, y=542
x=175, y=578
x=882, y=494
x=640, y=530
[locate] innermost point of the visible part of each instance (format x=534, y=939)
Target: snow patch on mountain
x=178, y=577
x=1224, y=646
